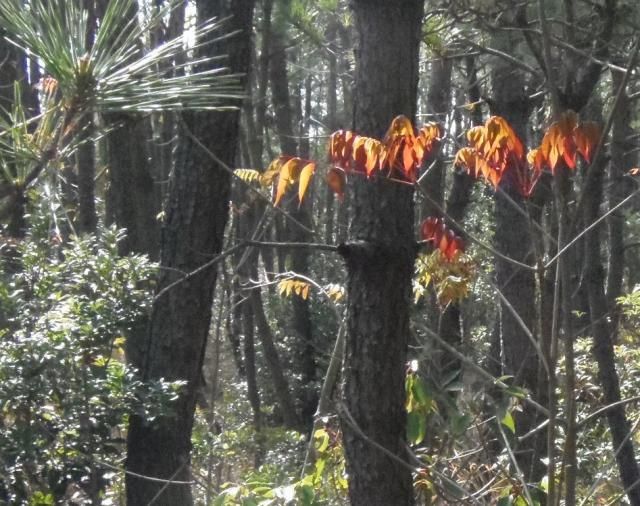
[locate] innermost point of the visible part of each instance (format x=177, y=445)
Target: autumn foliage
x=288, y=171
x=563, y=141
x=497, y=154
x=399, y=155
x=435, y=231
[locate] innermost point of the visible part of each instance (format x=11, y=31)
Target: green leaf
x=519, y=393
x=319, y=469
x=306, y=495
x=419, y=390
x=416, y=427
x=509, y=422
x=505, y=501
x=321, y=438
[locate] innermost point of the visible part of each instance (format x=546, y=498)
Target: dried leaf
x=287, y=287
x=401, y=149
x=247, y=175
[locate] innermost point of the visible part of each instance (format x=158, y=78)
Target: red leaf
x=435, y=231
x=336, y=179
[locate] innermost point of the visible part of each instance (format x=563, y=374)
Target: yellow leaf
x=300, y=288
x=305, y=178
x=286, y=178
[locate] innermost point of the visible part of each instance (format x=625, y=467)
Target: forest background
x=319, y=252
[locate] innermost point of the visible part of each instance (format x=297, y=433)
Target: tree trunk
x=192, y=234
x=299, y=257
x=602, y=340
x=622, y=159
x=132, y=186
x=270, y=352
x=379, y=258
x=513, y=239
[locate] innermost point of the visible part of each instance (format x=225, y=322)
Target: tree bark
x=513, y=239
x=622, y=159
x=132, y=197
x=602, y=340
x=379, y=258
x=196, y=215
x=280, y=383
x=299, y=257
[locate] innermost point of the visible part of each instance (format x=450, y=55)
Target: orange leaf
x=400, y=127
x=375, y=151
x=587, y=137
x=535, y=158
x=305, y=178
x=467, y=157
x=289, y=174
x=407, y=160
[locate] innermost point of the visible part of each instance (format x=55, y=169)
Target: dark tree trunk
x=433, y=185
x=603, y=342
x=332, y=118
x=346, y=82
x=132, y=196
x=513, y=239
x=438, y=98
x=299, y=257
x=280, y=383
x=379, y=258
x=192, y=234
x=622, y=159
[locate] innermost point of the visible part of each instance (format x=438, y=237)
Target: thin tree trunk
x=280, y=383
x=513, y=239
x=253, y=392
x=603, y=343
x=622, y=159
x=379, y=258
x=301, y=316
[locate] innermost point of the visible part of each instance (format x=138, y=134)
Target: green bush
x=65, y=388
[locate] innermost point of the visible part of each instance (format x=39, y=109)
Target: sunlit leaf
x=289, y=171
x=305, y=178
x=247, y=175
x=508, y=421
x=287, y=287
